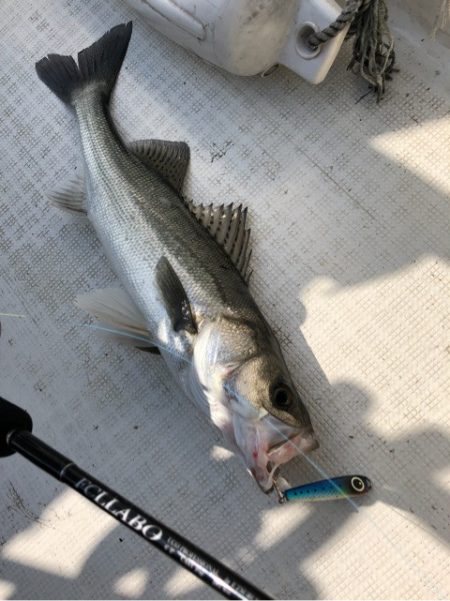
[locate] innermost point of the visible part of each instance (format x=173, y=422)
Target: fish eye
x=357, y=484
x=282, y=396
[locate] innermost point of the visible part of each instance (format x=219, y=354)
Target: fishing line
x=410, y=563
x=376, y=526
x=11, y=315
x=316, y=466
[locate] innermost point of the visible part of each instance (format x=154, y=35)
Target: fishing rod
x=15, y=436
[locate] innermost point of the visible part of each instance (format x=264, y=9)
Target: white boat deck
x=349, y=209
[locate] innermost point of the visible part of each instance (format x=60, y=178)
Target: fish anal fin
x=169, y=159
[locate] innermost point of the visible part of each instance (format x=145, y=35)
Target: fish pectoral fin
x=128, y=337
x=169, y=159
x=120, y=317
x=174, y=297
x=70, y=196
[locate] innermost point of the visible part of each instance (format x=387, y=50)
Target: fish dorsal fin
x=226, y=224
x=169, y=159
x=70, y=196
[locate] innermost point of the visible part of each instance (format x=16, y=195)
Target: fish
x=341, y=487
x=183, y=270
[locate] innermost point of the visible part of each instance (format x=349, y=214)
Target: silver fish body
x=221, y=349
x=139, y=218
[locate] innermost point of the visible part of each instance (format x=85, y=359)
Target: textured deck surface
x=349, y=207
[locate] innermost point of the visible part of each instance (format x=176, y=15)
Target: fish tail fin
x=97, y=65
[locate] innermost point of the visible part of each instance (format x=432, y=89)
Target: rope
x=373, y=46
x=347, y=15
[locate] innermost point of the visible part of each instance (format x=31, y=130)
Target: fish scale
x=143, y=204
x=183, y=268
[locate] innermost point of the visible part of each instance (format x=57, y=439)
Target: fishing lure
x=341, y=487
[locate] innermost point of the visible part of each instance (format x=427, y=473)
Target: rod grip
x=185, y=553
x=11, y=418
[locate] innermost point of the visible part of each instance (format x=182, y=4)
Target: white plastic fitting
x=249, y=37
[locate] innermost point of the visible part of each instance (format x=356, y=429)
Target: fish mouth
x=299, y=442
x=268, y=443
x=291, y=440
x=302, y=440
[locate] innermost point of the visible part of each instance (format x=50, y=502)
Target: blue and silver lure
x=341, y=487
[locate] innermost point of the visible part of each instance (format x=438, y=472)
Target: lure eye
x=282, y=397
x=357, y=484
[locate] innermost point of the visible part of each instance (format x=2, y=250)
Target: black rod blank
x=15, y=435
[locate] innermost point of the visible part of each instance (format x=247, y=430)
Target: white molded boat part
x=249, y=37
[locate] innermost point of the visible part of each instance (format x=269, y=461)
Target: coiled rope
x=373, y=46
